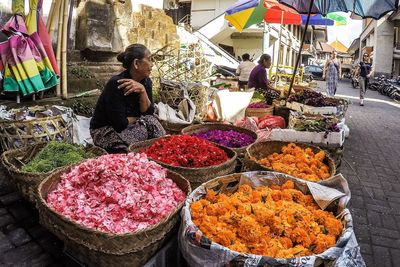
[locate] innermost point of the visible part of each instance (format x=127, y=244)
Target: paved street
x=371, y=165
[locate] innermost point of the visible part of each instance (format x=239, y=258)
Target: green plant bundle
x=55, y=155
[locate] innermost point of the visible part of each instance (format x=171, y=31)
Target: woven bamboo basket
x=172, y=93
x=106, y=249
x=263, y=149
x=17, y=134
x=27, y=182
x=196, y=176
x=259, y=112
x=198, y=128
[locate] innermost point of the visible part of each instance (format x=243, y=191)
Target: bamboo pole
x=64, y=89
x=59, y=41
x=53, y=15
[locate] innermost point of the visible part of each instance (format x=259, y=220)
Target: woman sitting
x=124, y=110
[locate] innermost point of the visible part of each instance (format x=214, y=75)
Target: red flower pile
x=116, y=193
x=186, y=151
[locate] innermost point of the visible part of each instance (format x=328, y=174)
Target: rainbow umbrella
x=34, y=23
x=339, y=20
x=18, y=7
x=317, y=20
x=245, y=13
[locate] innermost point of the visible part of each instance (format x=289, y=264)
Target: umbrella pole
x=301, y=47
x=279, y=50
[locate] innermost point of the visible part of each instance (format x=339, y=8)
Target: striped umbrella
x=245, y=13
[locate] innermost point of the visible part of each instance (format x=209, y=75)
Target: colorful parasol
x=34, y=23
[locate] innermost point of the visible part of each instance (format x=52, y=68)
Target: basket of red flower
x=268, y=219
x=116, y=210
x=234, y=137
x=196, y=159
x=304, y=161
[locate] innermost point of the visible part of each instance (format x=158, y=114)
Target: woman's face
x=334, y=54
x=143, y=66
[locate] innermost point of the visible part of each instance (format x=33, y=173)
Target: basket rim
x=234, y=127
x=332, y=171
x=229, y=161
x=43, y=202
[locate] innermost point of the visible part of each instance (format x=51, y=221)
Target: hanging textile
x=34, y=23
x=23, y=60
x=18, y=7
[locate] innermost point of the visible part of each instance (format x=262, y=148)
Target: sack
x=198, y=250
x=271, y=122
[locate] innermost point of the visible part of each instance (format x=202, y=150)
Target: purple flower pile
x=228, y=138
x=258, y=105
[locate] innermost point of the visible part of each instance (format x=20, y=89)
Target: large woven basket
x=27, y=182
x=196, y=176
x=106, y=249
x=17, y=134
x=263, y=149
x=199, y=128
x=259, y=112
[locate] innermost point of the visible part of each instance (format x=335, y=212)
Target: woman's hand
x=130, y=86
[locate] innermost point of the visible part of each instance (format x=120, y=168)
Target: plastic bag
x=271, y=122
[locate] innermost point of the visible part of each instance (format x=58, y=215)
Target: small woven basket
x=199, y=128
x=172, y=93
x=196, y=176
x=17, y=134
x=259, y=112
x=263, y=149
x=27, y=182
x=107, y=249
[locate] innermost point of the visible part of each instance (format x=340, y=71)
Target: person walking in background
x=244, y=69
x=332, y=73
x=364, y=71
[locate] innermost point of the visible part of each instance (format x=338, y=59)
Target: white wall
x=204, y=11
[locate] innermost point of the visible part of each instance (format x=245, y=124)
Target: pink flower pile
x=116, y=193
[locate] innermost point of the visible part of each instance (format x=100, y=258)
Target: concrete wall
x=383, y=51
x=205, y=10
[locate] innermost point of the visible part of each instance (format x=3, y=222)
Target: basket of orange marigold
x=260, y=218
x=300, y=160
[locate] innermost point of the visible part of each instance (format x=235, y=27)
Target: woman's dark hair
x=245, y=57
x=264, y=57
x=132, y=52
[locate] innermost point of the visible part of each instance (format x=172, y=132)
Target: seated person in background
x=258, y=79
x=124, y=111
x=244, y=69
